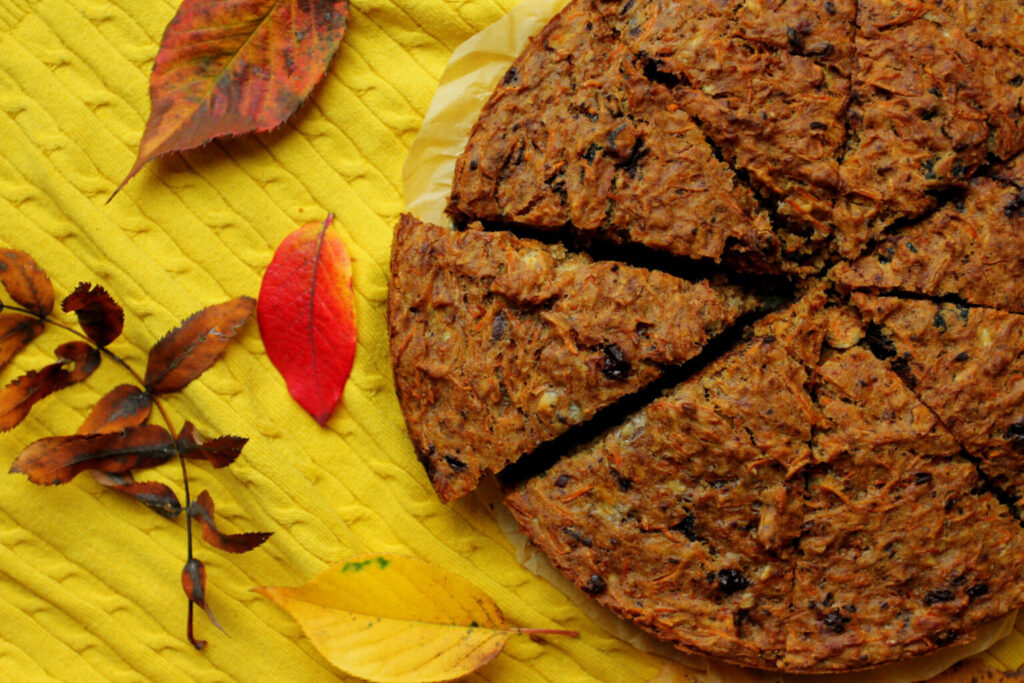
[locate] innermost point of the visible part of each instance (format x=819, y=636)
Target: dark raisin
x=911, y=248
x=830, y=7
x=795, y=40
x=829, y=599
x=615, y=366
x=922, y=477
x=511, y=76
x=1015, y=206
x=562, y=480
x=591, y=152
x=901, y=366
x=929, y=113
x=473, y=164
x=938, y=322
x=928, y=165
x=1017, y=81
x=886, y=256
x=731, y=580
x=595, y=585
x=850, y=608
x=938, y=595
x=615, y=133
x=577, y=536
x=688, y=528
x=963, y=312
x=624, y=483
x=961, y=357
x=632, y=162
x=455, y=463
x=977, y=590
x=498, y=326
x=935, y=91
x=817, y=125
x=946, y=637
x=836, y=621
x=769, y=339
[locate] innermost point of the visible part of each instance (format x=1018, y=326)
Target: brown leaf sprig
x=115, y=441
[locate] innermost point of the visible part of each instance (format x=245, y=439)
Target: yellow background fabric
x=89, y=581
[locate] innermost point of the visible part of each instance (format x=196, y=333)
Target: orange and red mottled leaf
x=202, y=509
x=156, y=496
x=193, y=582
x=100, y=317
x=16, y=331
x=18, y=397
x=122, y=407
x=25, y=281
x=190, y=349
x=227, y=68
x=57, y=459
x=307, y=318
x=220, y=452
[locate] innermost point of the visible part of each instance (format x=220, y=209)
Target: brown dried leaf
x=124, y=406
x=57, y=459
x=99, y=315
x=156, y=496
x=193, y=581
x=18, y=397
x=16, y=331
x=202, y=509
x=221, y=451
x=191, y=348
x=25, y=281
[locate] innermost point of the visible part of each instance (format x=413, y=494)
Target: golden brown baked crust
x=500, y=343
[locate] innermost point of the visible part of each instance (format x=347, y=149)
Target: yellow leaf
x=394, y=618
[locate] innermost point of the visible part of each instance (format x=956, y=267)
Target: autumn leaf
x=220, y=452
x=202, y=509
x=18, y=397
x=98, y=314
x=122, y=407
x=307, y=318
x=156, y=496
x=193, y=582
x=227, y=68
x=57, y=459
x=16, y=331
x=393, y=618
x=190, y=349
x=26, y=282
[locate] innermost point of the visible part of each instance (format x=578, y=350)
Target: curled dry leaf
x=221, y=451
x=190, y=349
x=393, y=618
x=307, y=318
x=123, y=406
x=100, y=317
x=193, y=582
x=202, y=509
x=26, y=282
x=57, y=459
x=156, y=496
x=16, y=331
x=227, y=68
x=18, y=397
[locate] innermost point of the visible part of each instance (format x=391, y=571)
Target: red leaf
x=156, y=496
x=193, y=581
x=227, y=68
x=25, y=281
x=57, y=459
x=191, y=348
x=16, y=331
x=221, y=451
x=18, y=397
x=202, y=509
x=99, y=315
x=307, y=318
x=125, y=406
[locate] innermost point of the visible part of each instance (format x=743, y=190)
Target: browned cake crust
x=967, y=365
x=575, y=134
x=972, y=248
x=500, y=343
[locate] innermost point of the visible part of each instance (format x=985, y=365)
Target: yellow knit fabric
x=90, y=581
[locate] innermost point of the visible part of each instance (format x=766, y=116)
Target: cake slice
x=576, y=135
x=972, y=248
x=964, y=363
x=500, y=343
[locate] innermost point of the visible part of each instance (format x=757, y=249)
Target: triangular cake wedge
x=972, y=248
x=576, y=135
x=500, y=343
x=900, y=551
x=965, y=364
x=681, y=518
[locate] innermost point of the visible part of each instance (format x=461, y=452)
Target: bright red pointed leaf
x=25, y=281
x=18, y=397
x=193, y=581
x=98, y=314
x=16, y=331
x=190, y=349
x=202, y=509
x=221, y=451
x=307, y=317
x=122, y=407
x=156, y=496
x=57, y=459
x=227, y=68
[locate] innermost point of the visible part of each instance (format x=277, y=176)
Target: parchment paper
x=467, y=82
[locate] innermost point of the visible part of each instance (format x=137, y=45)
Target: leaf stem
x=198, y=644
